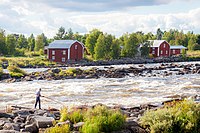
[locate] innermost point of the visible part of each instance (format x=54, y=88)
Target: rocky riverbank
x=22, y=119
x=163, y=70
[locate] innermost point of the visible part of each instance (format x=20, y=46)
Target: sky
x=115, y=17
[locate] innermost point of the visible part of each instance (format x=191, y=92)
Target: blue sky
x=112, y=16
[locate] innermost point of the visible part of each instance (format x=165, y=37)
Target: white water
x=129, y=91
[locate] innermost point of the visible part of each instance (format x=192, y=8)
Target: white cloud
x=46, y=17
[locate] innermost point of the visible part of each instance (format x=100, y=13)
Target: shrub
x=59, y=129
x=63, y=114
x=183, y=117
x=1, y=71
x=74, y=116
x=105, y=119
x=16, y=71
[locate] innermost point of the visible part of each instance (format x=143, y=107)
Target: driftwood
x=19, y=107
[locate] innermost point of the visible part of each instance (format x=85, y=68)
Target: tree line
x=99, y=45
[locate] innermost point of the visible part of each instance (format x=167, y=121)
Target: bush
x=105, y=119
x=59, y=129
x=74, y=116
x=183, y=117
x=16, y=71
x=1, y=71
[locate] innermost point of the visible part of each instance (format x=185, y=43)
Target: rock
x=8, y=131
x=56, y=70
x=18, y=119
x=40, y=112
x=78, y=125
x=28, y=78
x=63, y=123
x=122, y=131
x=11, y=126
x=134, y=127
x=22, y=113
x=5, y=115
x=2, y=122
x=32, y=128
x=43, y=122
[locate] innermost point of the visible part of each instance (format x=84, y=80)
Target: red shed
x=64, y=50
x=159, y=48
x=177, y=49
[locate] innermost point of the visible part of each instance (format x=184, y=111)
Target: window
x=174, y=51
x=164, y=45
x=153, y=51
x=64, y=52
x=161, y=52
x=166, y=52
x=63, y=59
x=75, y=46
x=53, y=52
x=53, y=57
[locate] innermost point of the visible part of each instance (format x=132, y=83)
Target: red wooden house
x=65, y=50
x=161, y=48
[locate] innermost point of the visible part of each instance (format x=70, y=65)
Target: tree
x=39, y=43
x=61, y=34
x=145, y=49
x=131, y=43
x=45, y=41
x=91, y=41
x=100, y=47
x=115, y=49
x=2, y=42
x=10, y=44
x=22, y=42
x=70, y=34
x=31, y=42
x=159, y=34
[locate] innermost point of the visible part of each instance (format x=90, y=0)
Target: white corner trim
x=68, y=53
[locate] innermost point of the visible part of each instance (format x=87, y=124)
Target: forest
x=99, y=45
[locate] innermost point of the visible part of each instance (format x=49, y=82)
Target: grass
x=193, y=53
x=96, y=120
x=26, y=61
x=59, y=129
x=15, y=71
x=182, y=117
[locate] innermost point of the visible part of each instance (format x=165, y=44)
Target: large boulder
x=11, y=126
x=31, y=128
x=43, y=122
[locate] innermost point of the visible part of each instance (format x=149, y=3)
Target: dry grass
x=193, y=53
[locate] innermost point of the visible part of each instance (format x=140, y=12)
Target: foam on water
x=127, y=91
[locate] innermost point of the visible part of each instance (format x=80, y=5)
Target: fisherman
x=38, y=95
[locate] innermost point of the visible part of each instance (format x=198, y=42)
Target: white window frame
x=166, y=52
x=53, y=58
x=76, y=46
x=153, y=51
x=53, y=52
x=161, y=52
x=173, y=51
x=164, y=45
x=63, y=59
x=64, y=52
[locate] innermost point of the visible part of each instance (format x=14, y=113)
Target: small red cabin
x=161, y=48
x=177, y=49
x=64, y=50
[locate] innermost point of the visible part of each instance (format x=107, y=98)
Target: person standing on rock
x=38, y=95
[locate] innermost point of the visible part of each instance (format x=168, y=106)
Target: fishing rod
x=57, y=101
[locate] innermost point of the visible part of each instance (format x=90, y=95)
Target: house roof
x=156, y=43
x=59, y=44
x=177, y=47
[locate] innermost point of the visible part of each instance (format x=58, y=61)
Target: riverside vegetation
x=176, y=117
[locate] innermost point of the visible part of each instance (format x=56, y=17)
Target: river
x=128, y=91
